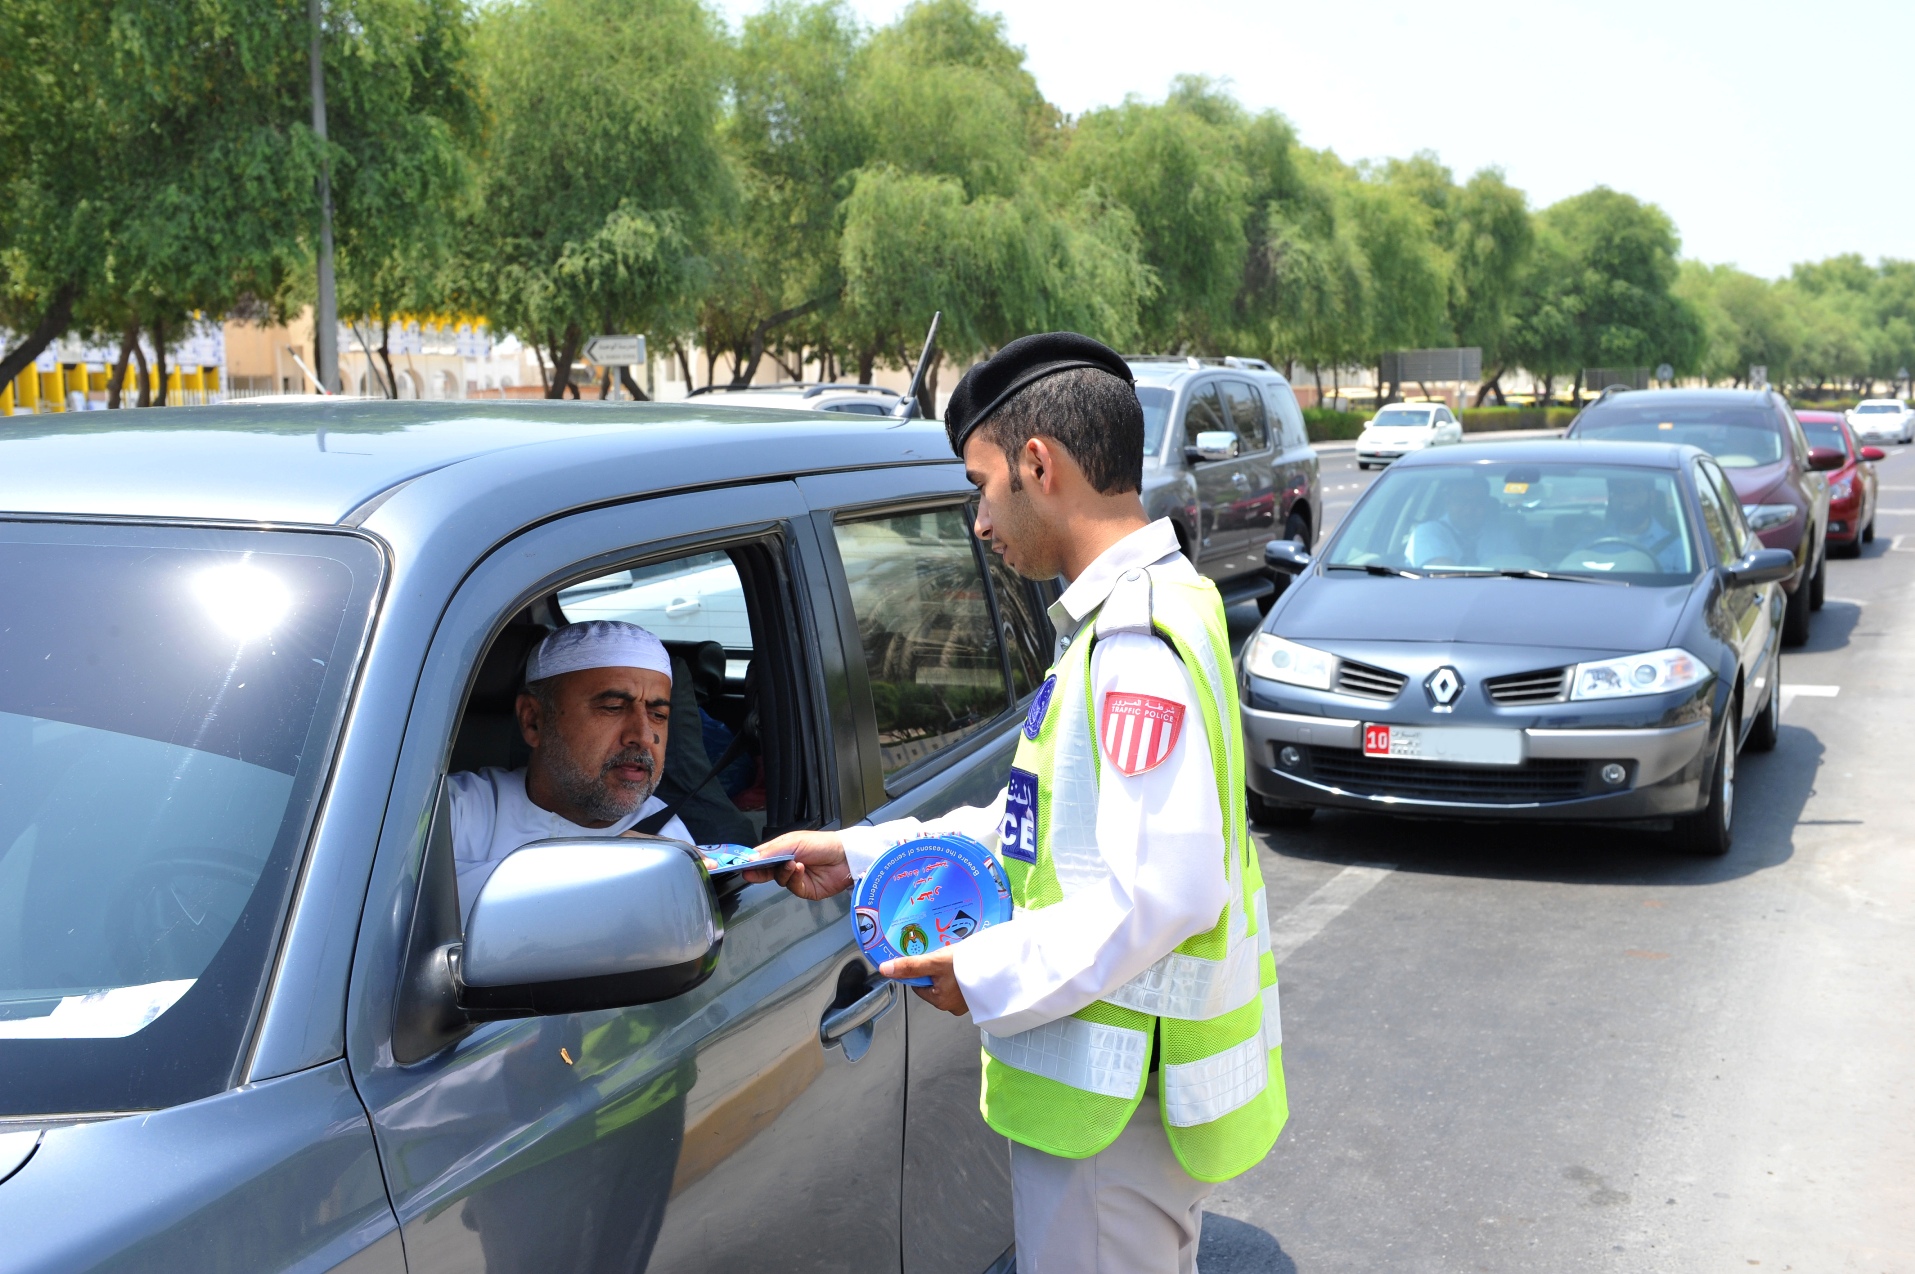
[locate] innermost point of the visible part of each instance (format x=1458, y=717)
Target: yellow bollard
x=6, y=399
x=53, y=389
x=27, y=390
x=195, y=384
x=212, y=381
x=173, y=385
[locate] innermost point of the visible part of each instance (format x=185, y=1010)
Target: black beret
x=1024, y=362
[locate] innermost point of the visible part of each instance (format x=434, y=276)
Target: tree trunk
x=116, y=383
x=684, y=365
x=604, y=384
x=1576, y=393
x=740, y=378
x=867, y=360
x=146, y=381
x=59, y=314
x=159, y=360
x=385, y=356
x=1318, y=373
x=1549, y=389
x=563, y=356
x=631, y=386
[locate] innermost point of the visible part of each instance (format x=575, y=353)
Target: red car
x=1851, y=487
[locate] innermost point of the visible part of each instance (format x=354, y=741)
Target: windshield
x=1156, y=401
x=167, y=699
x=1418, y=416
x=1875, y=407
x=1823, y=433
x=1593, y=520
x=1738, y=437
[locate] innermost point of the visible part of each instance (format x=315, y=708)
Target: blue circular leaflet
x=925, y=894
x=1034, y=719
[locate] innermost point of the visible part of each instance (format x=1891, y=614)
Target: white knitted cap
x=597, y=643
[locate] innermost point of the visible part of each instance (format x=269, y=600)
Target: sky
x=1770, y=133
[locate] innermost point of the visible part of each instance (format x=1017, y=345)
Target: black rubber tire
x=1868, y=533
x=1852, y=549
x=1273, y=814
x=1819, y=583
x=1363, y=465
x=1710, y=830
x=1795, y=619
x=1767, y=726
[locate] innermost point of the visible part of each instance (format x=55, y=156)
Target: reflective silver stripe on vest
x=1260, y=902
x=1075, y=856
x=1272, y=1018
x=1108, y=1060
x=1206, y=1090
x=1191, y=987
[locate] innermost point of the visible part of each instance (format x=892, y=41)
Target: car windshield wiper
x=1574, y=579
x=1371, y=568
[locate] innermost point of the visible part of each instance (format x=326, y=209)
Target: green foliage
x=1495, y=419
x=1326, y=424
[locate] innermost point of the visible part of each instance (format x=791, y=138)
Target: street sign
x=1758, y=376
x=615, y=351
x=1665, y=373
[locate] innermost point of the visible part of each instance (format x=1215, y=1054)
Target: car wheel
x=1708, y=830
x=1819, y=583
x=1273, y=814
x=1768, y=724
x=1795, y=619
x=1868, y=532
x=1363, y=465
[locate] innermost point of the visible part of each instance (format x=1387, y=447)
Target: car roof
x=1645, y=455
x=1678, y=397
x=1896, y=401
x=318, y=464
x=1165, y=370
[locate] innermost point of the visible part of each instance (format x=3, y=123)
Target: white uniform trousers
x=1128, y=1209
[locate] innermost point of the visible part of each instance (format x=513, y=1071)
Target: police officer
x=1129, y=1009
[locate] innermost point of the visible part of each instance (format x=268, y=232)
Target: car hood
x=1507, y=612
x=1753, y=486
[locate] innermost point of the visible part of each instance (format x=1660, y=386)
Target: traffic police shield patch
x=1138, y=731
x=1017, y=838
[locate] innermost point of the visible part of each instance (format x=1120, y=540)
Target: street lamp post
x=326, y=311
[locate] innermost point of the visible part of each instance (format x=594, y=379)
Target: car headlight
x=1842, y=488
x=1276, y=659
x=1766, y=517
x=1650, y=674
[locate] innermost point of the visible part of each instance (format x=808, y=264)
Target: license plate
x=1453, y=745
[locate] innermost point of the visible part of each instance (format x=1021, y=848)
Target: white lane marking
x=1890, y=487
x=1790, y=693
x=1898, y=545
x=1334, y=897
x=1898, y=512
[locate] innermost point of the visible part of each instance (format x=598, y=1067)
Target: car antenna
x=907, y=408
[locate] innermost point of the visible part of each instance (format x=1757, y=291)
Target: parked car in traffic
x=1227, y=460
x=1755, y=437
x=847, y=399
x=1402, y=428
x=1852, y=487
x=1531, y=630
x=243, y=1023
x=1882, y=420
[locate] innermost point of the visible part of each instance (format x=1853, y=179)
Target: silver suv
x=1227, y=460
x=243, y=1022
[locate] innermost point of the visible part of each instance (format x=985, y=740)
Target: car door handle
x=866, y=1008
x=1240, y=479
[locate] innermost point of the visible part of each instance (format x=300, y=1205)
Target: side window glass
x=1715, y=517
x=918, y=593
x=1025, y=628
x=1246, y=415
x=1283, y=408
x=1204, y=414
x=1732, y=508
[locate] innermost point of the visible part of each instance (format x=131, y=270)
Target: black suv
x=1760, y=445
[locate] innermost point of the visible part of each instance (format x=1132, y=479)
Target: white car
x=1882, y=420
x=1405, y=427
x=851, y=400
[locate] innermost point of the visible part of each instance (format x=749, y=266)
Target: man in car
x=1129, y=1007
x=1634, y=517
x=596, y=711
x=1469, y=532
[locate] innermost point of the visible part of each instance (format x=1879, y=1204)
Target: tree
x=1745, y=321
x=601, y=176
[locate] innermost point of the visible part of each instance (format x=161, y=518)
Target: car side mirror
x=1873, y=454
x=1212, y=444
x=1764, y=566
x=569, y=926
x=1823, y=459
x=1286, y=557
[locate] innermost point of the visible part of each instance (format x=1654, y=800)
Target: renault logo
x=1444, y=685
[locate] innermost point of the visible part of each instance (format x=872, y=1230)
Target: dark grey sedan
x=1549, y=630
x=244, y=1024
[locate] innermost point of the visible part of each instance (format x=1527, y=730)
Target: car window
x=936, y=667
x=1021, y=622
x=1738, y=436
x=1715, y=518
x=1746, y=539
x=859, y=408
x=1578, y=519
x=1415, y=417
x=1826, y=433
x=1204, y=414
x=167, y=702
x=1283, y=408
x=695, y=598
x=1794, y=428
x=1246, y=415
x=1156, y=401
x=1872, y=408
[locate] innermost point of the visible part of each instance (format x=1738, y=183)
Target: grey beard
x=599, y=795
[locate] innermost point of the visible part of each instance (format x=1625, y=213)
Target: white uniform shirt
x=1161, y=833
x=492, y=816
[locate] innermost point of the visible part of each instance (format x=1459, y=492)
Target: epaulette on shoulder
x=1127, y=609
